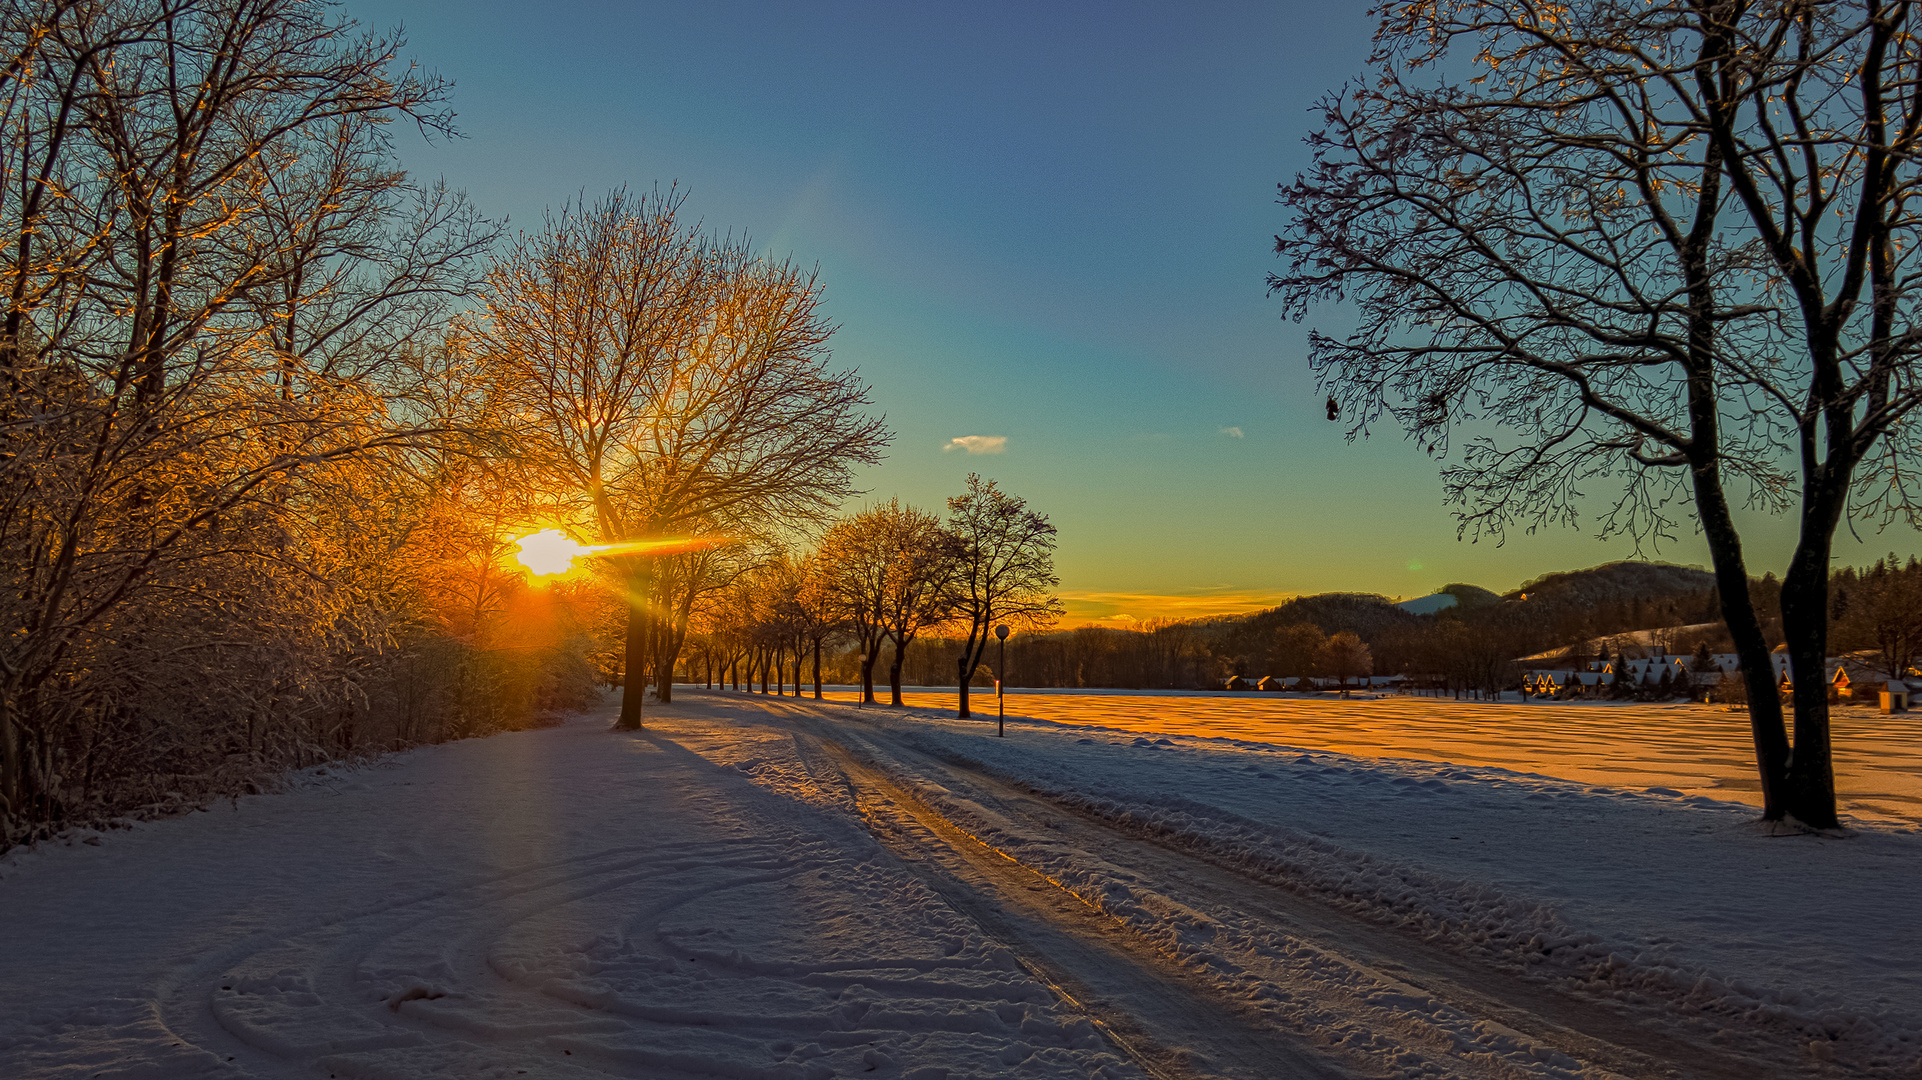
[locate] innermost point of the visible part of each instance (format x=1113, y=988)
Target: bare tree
x=220, y=295
x=883, y=569
x=920, y=573
x=1669, y=245
x=815, y=610
x=679, y=582
x=668, y=379
x=1003, y=572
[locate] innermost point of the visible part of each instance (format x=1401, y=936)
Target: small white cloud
x=978, y=444
x=1233, y=433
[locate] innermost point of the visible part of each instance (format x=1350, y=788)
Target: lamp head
x=1001, y=631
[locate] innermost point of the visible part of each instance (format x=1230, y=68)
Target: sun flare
x=552, y=551
x=549, y=551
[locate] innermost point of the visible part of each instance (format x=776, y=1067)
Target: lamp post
x=1001, y=684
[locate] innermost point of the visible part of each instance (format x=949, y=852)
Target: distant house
x=1546, y=682
x=1563, y=683
x=1894, y=696
x=1237, y=682
x=1835, y=672
x=1270, y=683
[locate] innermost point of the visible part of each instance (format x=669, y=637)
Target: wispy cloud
x=978, y=444
x=1233, y=433
x=1128, y=609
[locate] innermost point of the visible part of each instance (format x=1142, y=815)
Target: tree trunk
x=1751, y=648
x=894, y=674
x=970, y=661
x=661, y=663
x=634, y=662
x=961, y=686
x=1805, y=624
x=13, y=772
x=664, y=665
x=817, y=669
x=869, y=654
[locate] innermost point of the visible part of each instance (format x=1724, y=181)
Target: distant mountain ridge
x=1568, y=605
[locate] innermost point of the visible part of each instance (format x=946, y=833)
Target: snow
x=1698, y=750
x=1641, y=896
x=566, y=902
x=703, y=898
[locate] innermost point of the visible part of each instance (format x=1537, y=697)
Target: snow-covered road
x=765, y=887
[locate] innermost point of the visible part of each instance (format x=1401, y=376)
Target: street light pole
x=1001, y=683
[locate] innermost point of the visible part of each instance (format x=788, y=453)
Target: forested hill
x=1471, y=641
x=1615, y=583
x=1549, y=612
x=1366, y=614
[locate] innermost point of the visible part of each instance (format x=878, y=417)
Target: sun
x=549, y=551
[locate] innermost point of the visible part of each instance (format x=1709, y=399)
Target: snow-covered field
x=1694, y=749
x=764, y=887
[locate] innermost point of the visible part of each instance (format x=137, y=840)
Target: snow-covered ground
x=1694, y=749
x=1649, y=895
x=708, y=899
x=557, y=903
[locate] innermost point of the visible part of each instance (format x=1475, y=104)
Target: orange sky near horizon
x=1128, y=610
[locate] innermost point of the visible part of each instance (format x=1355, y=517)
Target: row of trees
x=877, y=580
x=1471, y=648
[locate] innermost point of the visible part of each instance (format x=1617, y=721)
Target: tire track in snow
x=1149, y=1007
x=301, y=991
x=1484, y=1021
x=793, y=951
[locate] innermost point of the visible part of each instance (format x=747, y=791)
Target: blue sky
x=1046, y=223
